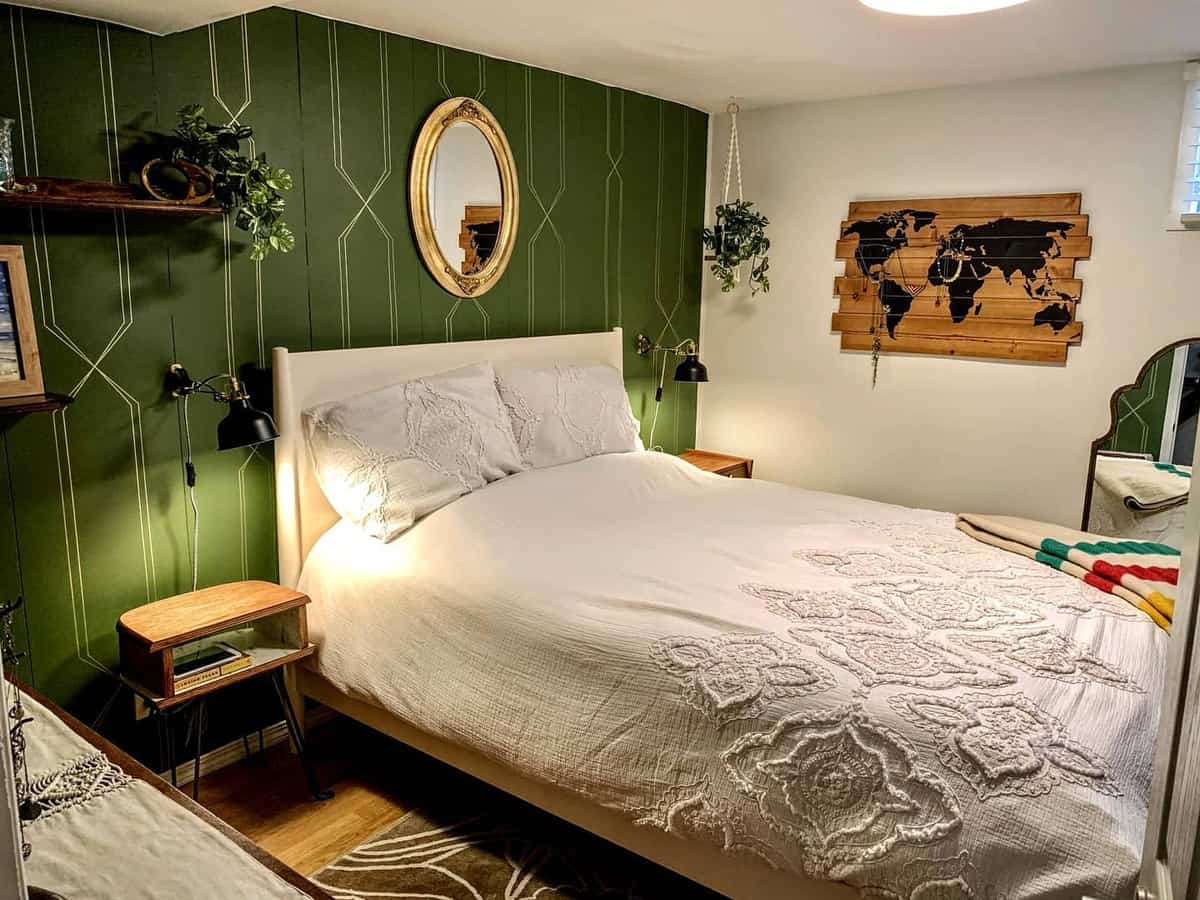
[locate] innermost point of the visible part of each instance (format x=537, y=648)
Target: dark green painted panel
x=1141, y=411
x=94, y=513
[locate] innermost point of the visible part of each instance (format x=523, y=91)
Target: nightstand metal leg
x=289, y=716
x=169, y=735
x=102, y=715
x=198, y=722
x=162, y=742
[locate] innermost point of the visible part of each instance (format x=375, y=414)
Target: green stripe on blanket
x=1143, y=573
x=1174, y=470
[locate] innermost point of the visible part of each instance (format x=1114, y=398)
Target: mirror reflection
x=465, y=198
x=1142, y=467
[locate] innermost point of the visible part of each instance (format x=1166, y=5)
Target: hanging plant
x=740, y=236
x=247, y=187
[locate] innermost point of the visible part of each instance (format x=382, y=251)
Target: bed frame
x=303, y=515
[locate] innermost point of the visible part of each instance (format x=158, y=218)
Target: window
x=1187, y=183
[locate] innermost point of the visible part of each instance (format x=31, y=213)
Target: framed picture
x=20, y=365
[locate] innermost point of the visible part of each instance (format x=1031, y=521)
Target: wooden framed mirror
x=462, y=193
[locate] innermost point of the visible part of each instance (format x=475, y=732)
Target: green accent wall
x=94, y=517
x=1142, y=410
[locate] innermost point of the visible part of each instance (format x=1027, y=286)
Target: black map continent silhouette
x=1007, y=245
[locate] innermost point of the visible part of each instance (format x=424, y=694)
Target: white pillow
x=387, y=457
x=563, y=413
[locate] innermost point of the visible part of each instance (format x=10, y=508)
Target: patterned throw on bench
x=1143, y=573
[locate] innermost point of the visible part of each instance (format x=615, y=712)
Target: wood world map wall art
x=990, y=277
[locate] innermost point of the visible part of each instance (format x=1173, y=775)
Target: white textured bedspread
x=846, y=689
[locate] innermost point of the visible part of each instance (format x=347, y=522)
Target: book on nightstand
x=214, y=662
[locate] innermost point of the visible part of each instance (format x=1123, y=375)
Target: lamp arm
x=181, y=384
x=686, y=347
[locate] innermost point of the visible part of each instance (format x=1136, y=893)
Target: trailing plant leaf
x=248, y=188
x=739, y=237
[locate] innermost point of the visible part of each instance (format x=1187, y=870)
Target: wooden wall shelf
x=19, y=406
x=98, y=196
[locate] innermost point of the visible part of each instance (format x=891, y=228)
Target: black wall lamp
x=690, y=369
x=243, y=426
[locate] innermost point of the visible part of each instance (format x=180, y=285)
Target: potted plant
x=739, y=236
x=204, y=161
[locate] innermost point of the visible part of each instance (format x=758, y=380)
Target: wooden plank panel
x=1027, y=205
x=970, y=327
x=1022, y=310
x=917, y=265
x=855, y=286
x=947, y=223
x=1001, y=321
x=1035, y=351
x=1069, y=248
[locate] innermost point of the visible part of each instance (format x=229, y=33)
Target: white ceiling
x=763, y=51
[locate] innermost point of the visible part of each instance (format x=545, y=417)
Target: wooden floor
x=375, y=782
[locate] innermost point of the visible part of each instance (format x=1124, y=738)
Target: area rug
x=480, y=844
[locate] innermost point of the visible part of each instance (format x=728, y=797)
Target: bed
x=774, y=692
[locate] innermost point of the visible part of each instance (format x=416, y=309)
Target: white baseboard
x=235, y=751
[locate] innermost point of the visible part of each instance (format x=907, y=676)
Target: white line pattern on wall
x=547, y=210
x=365, y=207
x=614, y=168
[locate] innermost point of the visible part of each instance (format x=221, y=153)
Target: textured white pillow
x=388, y=457
x=564, y=413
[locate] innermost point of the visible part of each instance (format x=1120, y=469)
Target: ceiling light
x=938, y=7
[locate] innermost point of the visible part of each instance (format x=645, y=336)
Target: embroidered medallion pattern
x=1046, y=653
x=734, y=676
x=1004, y=744
x=951, y=603
x=924, y=878
x=880, y=656
x=824, y=608
x=846, y=789
x=861, y=563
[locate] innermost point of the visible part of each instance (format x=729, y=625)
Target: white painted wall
x=952, y=434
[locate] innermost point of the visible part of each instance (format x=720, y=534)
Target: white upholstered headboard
x=311, y=377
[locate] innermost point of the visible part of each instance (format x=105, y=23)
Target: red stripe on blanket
x=1146, y=573
x=1095, y=581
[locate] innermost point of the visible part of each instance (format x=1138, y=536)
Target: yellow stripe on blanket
x=1143, y=573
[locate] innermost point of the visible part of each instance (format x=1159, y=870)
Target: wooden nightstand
x=720, y=463
x=265, y=621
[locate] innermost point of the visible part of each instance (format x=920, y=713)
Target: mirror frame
x=1099, y=442
x=474, y=113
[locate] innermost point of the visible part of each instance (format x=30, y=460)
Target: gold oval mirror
x=462, y=192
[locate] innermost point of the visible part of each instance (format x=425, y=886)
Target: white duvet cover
x=842, y=688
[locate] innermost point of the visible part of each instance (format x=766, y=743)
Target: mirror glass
x=1142, y=473
x=465, y=198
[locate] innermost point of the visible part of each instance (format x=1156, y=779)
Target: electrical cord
x=658, y=395
x=190, y=472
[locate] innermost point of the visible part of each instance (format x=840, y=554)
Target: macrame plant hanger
x=733, y=158
x=733, y=161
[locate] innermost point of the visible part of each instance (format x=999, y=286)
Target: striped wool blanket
x=1141, y=572
x=1143, y=484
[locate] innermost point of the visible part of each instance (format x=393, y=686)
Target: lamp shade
x=691, y=369
x=244, y=426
